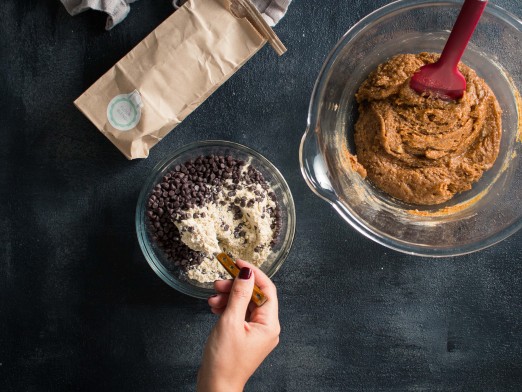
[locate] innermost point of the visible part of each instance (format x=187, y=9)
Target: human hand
x=244, y=334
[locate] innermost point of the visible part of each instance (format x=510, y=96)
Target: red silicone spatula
x=442, y=79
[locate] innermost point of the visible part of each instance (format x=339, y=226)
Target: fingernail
x=245, y=273
x=213, y=295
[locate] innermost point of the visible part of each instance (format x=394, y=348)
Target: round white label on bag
x=124, y=111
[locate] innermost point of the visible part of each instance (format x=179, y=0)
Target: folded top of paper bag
x=117, y=10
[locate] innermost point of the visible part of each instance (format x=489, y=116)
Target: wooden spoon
x=245, y=9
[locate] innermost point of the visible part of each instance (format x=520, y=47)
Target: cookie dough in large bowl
x=210, y=197
x=429, y=216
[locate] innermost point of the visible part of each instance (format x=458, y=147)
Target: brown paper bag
x=169, y=74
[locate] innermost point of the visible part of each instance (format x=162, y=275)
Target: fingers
x=218, y=301
x=269, y=312
x=262, y=281
x=223, y=286
x=266, y=314
x=217, y=311
x=240, y=295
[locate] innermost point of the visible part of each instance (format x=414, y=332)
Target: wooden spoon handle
x=258, y=297
x=250, y=12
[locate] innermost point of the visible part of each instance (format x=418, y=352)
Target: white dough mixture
x=239, y=222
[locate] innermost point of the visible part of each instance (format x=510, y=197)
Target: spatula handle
x=462, y=31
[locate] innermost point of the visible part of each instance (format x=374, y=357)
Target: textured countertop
x=80, y=309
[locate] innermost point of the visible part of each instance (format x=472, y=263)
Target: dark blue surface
x=80, y=309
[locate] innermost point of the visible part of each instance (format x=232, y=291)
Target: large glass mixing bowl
x=472, y=220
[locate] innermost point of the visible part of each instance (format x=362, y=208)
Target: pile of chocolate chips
x=196, y=183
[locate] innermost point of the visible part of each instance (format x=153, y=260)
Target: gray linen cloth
x=117, y=10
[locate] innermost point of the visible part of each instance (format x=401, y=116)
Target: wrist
x=219, y=384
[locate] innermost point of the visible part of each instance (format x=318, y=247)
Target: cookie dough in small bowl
x=211, y=197
x=373, y=146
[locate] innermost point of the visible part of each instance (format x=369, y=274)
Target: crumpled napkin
x=117, y=10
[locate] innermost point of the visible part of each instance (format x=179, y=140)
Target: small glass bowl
x=472, y=220
x=173, y=275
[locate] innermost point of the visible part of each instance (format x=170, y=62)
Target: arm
x=244, y=334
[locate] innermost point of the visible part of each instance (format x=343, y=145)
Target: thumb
x=240, y=294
